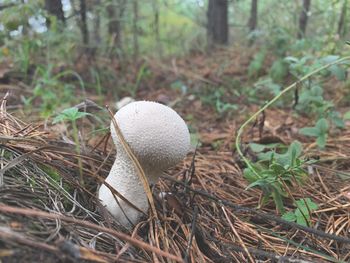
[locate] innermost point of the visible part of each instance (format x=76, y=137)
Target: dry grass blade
x=237, y=235
x=133, y=241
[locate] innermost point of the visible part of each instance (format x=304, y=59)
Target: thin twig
x=193, y=229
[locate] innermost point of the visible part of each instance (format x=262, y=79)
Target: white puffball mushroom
x=159, y=138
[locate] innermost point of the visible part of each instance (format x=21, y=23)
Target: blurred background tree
x=166, y=27
x=96, y=38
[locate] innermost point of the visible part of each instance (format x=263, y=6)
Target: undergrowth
x=275, y=173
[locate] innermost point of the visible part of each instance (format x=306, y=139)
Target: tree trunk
x=135, y=29
x=83, y=23
x=54, y=7
x=217, y=27
x=155, y=6
x=253, y=20
x=341, y=23
x=97, y=27
x=114, y=24
x=303, y=18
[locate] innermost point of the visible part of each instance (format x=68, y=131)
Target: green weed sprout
x=277, y=172
x=302, y=214
x=73, y=114
x=320, y=131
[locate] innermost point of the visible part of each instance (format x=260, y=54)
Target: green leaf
x=249, y=175
x=277, y=169
x=256, y=64
x=307, y=203
x=291, y=59
x=322, y=125
x=338, y=72
x=257, y=147
x=302, y=213
x=266, y=156
x=301, y=219
x=347, y=116
x=279, y=70
x=310, y=131
x=289, y=216
x=336, y=119
x=278, y=201
x=59, y=118
x=294, y=151
x=70, y=114
x=304, y=208
x=260, y=182
x=79, y=115
x=321, y=141
x=329, y=59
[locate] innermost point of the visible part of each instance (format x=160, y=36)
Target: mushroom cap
x=156, y=134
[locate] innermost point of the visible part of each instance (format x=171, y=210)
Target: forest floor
x=207, y=214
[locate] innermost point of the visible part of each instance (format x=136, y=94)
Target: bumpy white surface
x=159, y=138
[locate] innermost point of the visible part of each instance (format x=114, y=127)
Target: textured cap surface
x=156, y=134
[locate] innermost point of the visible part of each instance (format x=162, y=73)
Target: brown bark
x=303, y=18
x=217, y=27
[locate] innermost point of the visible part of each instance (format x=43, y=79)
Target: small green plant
x=256, y=65
x=272, y=176
x=279, y=71
x=217, y=100
x=275, y=172
x=310, y=97
x=311, y=100
x=141, y=74
x=302, y=213
x=299, y=67
x=23, y=54
x=50, y=90
x=320, y=131
x=267, y=84
x=72, y=115
x=97, y=83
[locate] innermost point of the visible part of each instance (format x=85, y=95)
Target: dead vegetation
x=205, y=212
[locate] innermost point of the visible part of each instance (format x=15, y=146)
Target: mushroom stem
x=123, y=175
